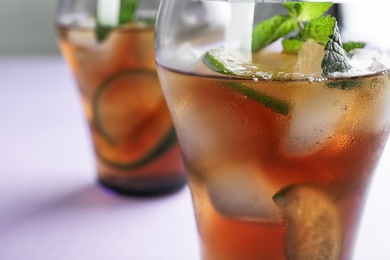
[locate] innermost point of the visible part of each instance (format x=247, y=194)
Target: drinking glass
x=282, y=112
x=113, y=62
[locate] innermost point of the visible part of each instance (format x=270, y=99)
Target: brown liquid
x=131, y=129
x=229, y=138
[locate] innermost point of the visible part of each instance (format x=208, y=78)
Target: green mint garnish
x=349, y=46
x=335, y=59
x=271, y=30
x=292, y=45
x=101, y=31
x=125, y=14
x=127, y=11
x=305, y=12
x=279, y=26
x=309, y=24
x=318, y=30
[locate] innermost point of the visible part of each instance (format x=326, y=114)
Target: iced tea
x=244, y=153
x=132, y=133
x=280, y=145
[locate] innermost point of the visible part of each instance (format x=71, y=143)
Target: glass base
x=144, y=187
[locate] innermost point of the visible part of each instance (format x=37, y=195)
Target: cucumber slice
x=131, y=121
x=314, y=229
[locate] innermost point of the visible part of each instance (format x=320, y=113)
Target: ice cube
x=315, y=117
x=309, y=59
x=189, y=119
x=241, y=192
x=361, y=59
x=183, y=57
x=385, y=59
x=83, y=39
x=371, y=113
x=380, y=61
x=376, y=66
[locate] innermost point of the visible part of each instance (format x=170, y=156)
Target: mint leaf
x=106, y=20
x=319, y=29
x=279, y=26
x=271, y=30
x=292, y=45
x=335, y=59
x=348, y=46
x=306, y=11
x=127, y=11
x=292, y=8
x=101, y=31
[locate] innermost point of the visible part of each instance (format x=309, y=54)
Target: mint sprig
x=308, y=22
x=318, y=30
x=305, y=12
x=127, y=11
x=106, y=22
x=335, y=59
x=279, y=26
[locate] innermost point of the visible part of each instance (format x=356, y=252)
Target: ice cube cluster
x=363, y=61
x=319, y=111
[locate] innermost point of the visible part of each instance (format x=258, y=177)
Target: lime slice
x=131, y=121
x=314, y=229
x=229, y=62
x=217, y=65
x=275, y=104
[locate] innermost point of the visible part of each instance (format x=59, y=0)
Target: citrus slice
x=231, y=62
x=314, y=229
x=132, y=124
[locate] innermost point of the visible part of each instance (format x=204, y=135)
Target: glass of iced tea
x=282, y=112
x=109, y=45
